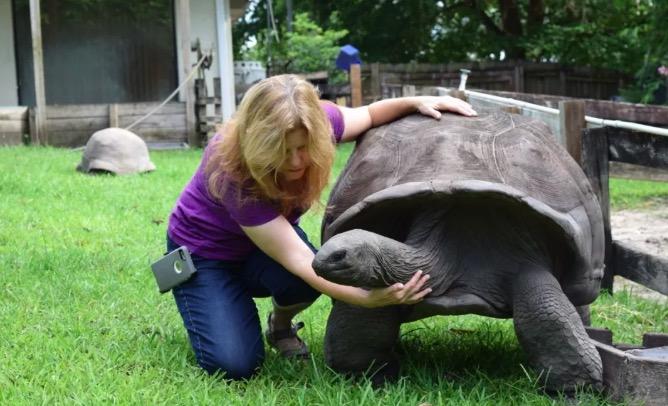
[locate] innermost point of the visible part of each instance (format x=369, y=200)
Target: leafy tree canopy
x=626, y=35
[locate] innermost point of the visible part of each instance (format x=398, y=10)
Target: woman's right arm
x=279, y=240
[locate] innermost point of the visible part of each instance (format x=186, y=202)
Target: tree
x=625, y=35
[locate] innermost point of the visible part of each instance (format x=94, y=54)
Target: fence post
x=38, y=129
x=355, y=85
x=376, y=92
x=571, y=124
x=113, y=115
x=408, y=90
x=201, y=126
x=594, y=163
x=182, y=19
x=519, y=79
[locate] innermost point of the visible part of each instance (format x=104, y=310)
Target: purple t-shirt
x=211, y=229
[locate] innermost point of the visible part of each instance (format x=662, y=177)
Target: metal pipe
x=463, y=75
x=588, y=119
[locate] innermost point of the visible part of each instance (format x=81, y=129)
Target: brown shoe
x=286, y=342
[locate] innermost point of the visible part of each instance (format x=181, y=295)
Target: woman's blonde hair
x=253, y=145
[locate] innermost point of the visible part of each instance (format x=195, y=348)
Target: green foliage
x=306, y=48
x=87, y=12
x=624, y=35
x=309, y=47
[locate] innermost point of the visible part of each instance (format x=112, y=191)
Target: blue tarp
x=347, y=56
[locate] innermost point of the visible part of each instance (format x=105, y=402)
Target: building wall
x=8, y=85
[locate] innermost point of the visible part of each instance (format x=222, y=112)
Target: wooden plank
x=78, y=138
x=13, y=126
x=636, y=380
x=77, y=111
x=39, y=132
x=182, y=17
x=647, y=270
x=356, y=85
x=375, y=82
x=594, y=163
x=143, y=108
x=91, y=124
x=637, y=172
x=638, y=148
x=13, y=113
x=113, y=115
x=8, y=139
x=408, y=90
x=70, y=138
x=157, y=121
x=518, y=78
x=571, y=123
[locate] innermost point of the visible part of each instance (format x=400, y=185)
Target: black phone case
x=173, y=269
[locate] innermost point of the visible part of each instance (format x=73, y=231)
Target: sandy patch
x=646, y=230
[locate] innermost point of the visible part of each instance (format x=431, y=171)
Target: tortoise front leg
x=551, y=332
x=360, y=340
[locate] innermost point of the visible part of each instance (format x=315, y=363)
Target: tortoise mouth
x=576, y=273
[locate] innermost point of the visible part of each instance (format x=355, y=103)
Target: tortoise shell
x=504, y=164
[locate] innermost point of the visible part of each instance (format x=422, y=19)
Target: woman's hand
x=433, y=105
x=409, y=293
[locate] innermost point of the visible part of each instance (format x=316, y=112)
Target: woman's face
x=297, y=159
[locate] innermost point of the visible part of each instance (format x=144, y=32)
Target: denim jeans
x=219, y=313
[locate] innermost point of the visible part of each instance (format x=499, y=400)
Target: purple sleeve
x=335, y=118
x=249, y=213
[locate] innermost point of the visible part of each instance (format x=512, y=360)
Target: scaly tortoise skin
x=498, y=214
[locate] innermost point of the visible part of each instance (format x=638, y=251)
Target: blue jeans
x=219, y=313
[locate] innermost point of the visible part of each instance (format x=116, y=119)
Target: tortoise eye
x=338, y=255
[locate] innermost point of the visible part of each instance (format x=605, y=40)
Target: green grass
x=82, y=321
x=635, y=194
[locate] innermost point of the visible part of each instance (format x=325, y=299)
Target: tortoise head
x=361, y=258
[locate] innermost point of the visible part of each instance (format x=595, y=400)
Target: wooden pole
x=356, y=85
x=375, y=85
x=39, y=132
x=595, y=162
x=571, y=123
x=182, y=17
x=113, y=115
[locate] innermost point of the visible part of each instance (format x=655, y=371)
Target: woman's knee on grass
x=236, y=365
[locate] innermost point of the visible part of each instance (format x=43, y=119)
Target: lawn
x=83, y=323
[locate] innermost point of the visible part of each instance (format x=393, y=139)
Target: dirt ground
x=646, y=230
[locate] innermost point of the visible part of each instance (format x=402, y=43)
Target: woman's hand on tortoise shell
x=411, y=292
x=433, y=105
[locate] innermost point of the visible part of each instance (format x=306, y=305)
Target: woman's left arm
x=358, y=120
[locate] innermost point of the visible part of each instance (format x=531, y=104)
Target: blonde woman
x=238, y=216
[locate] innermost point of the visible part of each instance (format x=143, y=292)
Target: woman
x=238, y=216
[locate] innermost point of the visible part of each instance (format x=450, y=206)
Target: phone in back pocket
x=173, y=269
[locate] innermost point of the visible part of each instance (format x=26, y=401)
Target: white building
x=110, y=61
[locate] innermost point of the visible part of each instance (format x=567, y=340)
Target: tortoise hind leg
x=361, y=341
x=551, y=333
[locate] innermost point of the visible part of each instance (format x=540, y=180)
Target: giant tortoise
x=498, y=214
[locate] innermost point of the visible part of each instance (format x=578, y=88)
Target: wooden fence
x=599, y=147
x=524, y=77
x=72, y=125
x=13, y=125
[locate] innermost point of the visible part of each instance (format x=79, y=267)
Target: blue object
x=347, y=56
x=218, y=311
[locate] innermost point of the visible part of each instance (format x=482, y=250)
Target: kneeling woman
x=239, y=214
